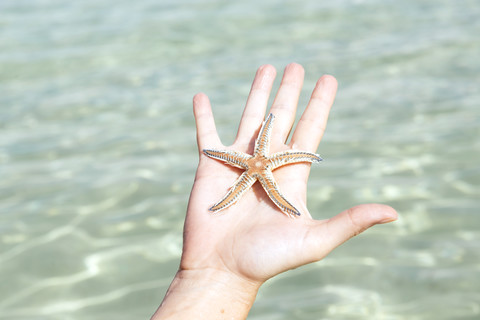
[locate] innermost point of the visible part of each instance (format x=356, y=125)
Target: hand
x=252, y=241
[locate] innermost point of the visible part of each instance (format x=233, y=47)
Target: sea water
x=98, y=152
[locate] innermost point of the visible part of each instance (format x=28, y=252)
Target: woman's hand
x=239, y=248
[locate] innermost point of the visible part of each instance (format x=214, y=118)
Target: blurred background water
x=98, y=153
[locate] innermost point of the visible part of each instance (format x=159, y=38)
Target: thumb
x=328, y=234
x=355, y=220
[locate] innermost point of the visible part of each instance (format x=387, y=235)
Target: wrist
x=207, y=294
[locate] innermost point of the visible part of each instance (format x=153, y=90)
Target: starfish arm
x=262, y=143
x=292, y=156
x=243, y=183
x=271, y=188
x=233, y=158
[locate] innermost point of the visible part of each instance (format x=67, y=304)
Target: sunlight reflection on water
x=98, y=152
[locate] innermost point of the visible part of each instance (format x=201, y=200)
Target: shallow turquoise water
x=98, y=153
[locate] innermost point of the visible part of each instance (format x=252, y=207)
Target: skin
x=227, y=256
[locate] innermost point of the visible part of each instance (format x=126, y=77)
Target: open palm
x=252, y=239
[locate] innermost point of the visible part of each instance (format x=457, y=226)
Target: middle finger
x=285, y=103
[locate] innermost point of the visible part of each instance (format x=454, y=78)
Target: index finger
x=312, y=124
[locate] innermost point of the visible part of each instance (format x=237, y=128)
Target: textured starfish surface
x=259, y=166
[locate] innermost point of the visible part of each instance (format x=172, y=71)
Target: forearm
x=207, y=294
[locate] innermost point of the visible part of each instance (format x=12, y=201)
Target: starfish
x=259, y=166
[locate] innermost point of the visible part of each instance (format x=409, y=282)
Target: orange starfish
x=259, y=167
